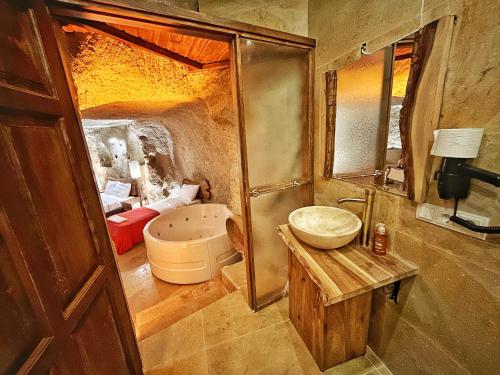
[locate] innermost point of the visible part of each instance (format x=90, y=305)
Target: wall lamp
x=135, y=173
x=456, y=146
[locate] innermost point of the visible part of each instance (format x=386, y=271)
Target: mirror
x=369, y=98
x=377, y=132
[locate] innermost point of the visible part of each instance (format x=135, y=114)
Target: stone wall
x=184, y=121
x=447, y=320
x=283, y=15
x=186, y=4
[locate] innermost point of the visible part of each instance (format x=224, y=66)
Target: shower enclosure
x=276, y=139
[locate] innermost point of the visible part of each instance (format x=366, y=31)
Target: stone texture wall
x=179, y=139
x=184, y=121
x=284, y=15
x=186, y=4
x=111, y=146
x=447, y=320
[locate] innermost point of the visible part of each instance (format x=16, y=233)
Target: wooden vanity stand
x=331, y=292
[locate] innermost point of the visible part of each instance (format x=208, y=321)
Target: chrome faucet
x=364, y=239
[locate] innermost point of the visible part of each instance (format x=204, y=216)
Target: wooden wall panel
x=23, y=63
x=18, y=324
x=43, y=175
x=98, y=340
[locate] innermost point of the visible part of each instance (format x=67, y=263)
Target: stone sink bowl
x=324, y=227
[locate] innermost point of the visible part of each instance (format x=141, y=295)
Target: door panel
x=275, y=88
x=20, y=335
x=65, y=310
x=43, y=176
x=270, y=253
x=97, y=337
x=19, y=38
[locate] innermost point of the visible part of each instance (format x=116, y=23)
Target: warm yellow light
x=401, y=70
x=400, y=78
x=106, y=71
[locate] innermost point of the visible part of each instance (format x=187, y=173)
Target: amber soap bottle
x=380, y=239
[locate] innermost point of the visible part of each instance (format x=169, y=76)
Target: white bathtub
x=189, y=244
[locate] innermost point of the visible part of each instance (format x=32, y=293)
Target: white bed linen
x=110, y=202
x=118, y=189
x=170, y=203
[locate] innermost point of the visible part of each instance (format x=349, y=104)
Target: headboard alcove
x=204, y=193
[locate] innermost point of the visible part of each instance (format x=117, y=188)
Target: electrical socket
x=438, y=215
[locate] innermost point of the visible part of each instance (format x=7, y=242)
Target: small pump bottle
x=380, y=239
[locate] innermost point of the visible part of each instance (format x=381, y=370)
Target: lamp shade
x=135, y=169
x=457, y=143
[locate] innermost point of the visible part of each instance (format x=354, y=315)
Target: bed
x=111, y=204
x=115, y=193
x=128, y=233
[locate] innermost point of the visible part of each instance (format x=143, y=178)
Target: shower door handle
x=259, y=190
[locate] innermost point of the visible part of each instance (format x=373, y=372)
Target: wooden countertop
x=348, y=271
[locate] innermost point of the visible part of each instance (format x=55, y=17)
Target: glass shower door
x=275, y=88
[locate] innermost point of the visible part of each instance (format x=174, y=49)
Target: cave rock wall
x=174, y=139
x=140, y=106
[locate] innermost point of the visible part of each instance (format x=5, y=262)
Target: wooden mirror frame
x=421, y=105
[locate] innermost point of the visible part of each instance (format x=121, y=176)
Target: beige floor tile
x=236, y=273
x=195, y=364
x=175, y=344
x=155, y=304
x=356, y=366
x=230, y=317
x=276, y=350
x=383, y=371
x=178, y=306
x=377, y=362
x=373, y=358
x=142, y=289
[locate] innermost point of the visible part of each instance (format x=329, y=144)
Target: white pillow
x=110, y=187
x=118, y=189
x=187, y=192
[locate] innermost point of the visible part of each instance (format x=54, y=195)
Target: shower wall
x=284, y=15
x=140, y=106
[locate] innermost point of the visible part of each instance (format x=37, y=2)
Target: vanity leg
x=333, y=334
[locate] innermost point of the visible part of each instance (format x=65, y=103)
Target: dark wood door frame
x=150, y=15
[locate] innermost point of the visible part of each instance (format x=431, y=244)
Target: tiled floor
x=202, y=329
x=155, y=304
x=234, y=277
x=226, y=337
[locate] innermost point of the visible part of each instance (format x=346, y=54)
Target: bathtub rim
x=150, y=237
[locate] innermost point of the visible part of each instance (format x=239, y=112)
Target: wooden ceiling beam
x=134, y=41
x=404, y=56
x=216, y=65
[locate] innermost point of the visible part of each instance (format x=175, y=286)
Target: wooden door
x=62, y=307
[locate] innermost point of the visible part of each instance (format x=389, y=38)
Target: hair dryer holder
x=454, y=183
